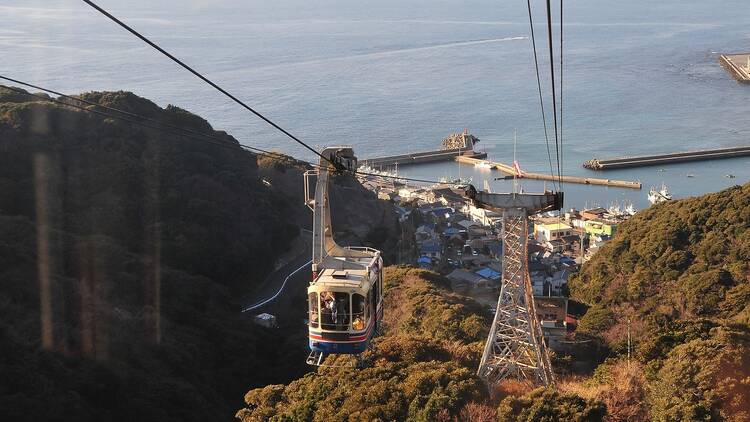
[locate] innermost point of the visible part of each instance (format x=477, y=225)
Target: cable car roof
x=342, y=278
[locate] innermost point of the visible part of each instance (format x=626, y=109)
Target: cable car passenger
x=358, y=312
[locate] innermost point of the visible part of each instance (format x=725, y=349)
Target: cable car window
x=312, y=298
x=358, y=312
x=368, y=305
x=335, y=311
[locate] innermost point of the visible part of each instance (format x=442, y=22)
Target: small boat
x=661, y=170
x=729, y=176
x=658, y=196
x=690, y=175
x=484, y=165
x=456, y=181
x=630, y=209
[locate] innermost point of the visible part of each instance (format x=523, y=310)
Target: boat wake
x=392, y=52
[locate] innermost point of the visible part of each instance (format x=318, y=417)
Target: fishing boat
x=485, y=165
x=630, y=209
x=455, y=181
x=658, y=196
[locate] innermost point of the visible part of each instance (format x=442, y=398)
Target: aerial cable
x=136, y=116
x=554, y=95
x=539, y=86
x=223, y=142
x=205, y=79
x=190, y=134
x=232, y=97
x=562, y=162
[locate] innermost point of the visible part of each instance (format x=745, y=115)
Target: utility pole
x=628, y=342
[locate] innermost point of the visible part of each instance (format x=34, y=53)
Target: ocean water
x=397, y=76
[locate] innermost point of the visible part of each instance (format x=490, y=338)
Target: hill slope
x=123, y=254
x=678, y=275
x=423, y=368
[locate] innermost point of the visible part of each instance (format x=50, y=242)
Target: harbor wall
x=739, y=73
x=677, y=157
x=421, y=157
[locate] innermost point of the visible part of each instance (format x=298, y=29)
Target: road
x=271, y=288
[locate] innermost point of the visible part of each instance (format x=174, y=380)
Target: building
x=388, y=195
x=431, y=249
x=593, y=213
x=555, y=245
x=451, y=231
x=466, y=277
x=467, y=224
x=265, y=320
x=424, y=262
x=484, y=216
x=600, y=227
x=552, y=313
x=488, y=273
x=545, y=232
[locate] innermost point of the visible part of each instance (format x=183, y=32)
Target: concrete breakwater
x=509, y=170
x=676, y=157
x=738, y=65
x=421, y=157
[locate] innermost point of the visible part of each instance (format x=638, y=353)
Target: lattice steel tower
x=515, y=346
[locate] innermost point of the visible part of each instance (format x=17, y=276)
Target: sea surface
x=396, y=76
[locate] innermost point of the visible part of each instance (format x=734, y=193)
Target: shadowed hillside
x=124, y=251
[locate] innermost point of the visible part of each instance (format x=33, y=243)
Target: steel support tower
x=515, y=345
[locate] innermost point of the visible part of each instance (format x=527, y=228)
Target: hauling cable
x=539, y=86
x=206, y=80
x=554, y=94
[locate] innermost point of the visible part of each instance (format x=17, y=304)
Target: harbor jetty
x=676, y=157
x=456, y=144
x=738, y=65
x=507, y=169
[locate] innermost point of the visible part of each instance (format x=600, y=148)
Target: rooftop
x=346, y=278
x=554, y=226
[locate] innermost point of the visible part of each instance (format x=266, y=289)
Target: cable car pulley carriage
x=345, y=297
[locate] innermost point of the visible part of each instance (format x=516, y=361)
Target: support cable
x=189, y=134
x=562, y=161
x=539, y=86
x=206, y=80
x=196, y=136
x=554, y=95
x=223, y=141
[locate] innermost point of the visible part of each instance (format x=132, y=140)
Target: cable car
x=345, y=297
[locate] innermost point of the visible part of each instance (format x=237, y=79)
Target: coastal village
x=463, y=243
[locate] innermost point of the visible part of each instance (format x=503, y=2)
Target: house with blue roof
x=424, y=262
x=488, y=273
x=451, y=231
x=431, y=248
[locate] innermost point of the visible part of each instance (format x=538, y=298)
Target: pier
x=566, y=179
x=677, y=157
x=422, y=157
x=456, y=144
x=738, y=65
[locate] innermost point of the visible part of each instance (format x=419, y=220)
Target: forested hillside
x=423, y=368
x=124, y=251
x=677, y=277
